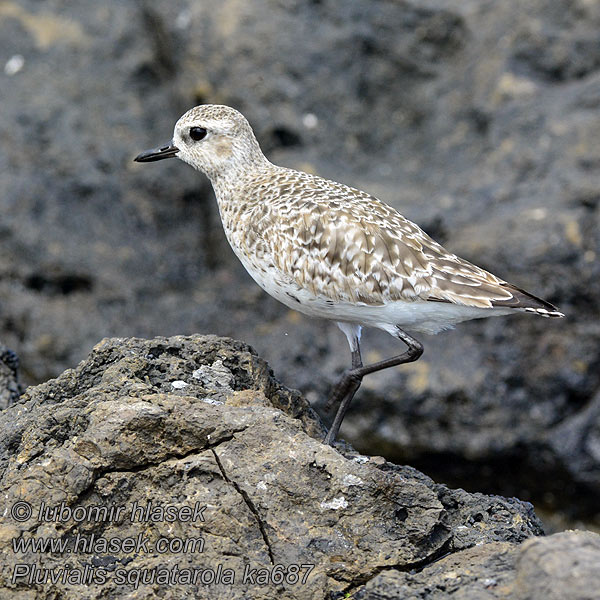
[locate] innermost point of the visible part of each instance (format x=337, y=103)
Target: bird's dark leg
x=351, y=380
x=345, y=389
x=338, y=391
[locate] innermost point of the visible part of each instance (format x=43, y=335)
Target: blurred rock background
x=479, y=120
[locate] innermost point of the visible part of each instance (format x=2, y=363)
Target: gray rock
x=482, y=572
x=9, y=377
x=563, y=566
x=579, y=436
x=476, y=119
x=246, y=457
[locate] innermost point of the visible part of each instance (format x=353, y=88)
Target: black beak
x=167, y=151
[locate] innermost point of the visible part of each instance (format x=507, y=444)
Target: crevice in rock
x=414, y=567
x=87, y=491
x=60, y=284
x=249, y=504
x=84, y=494
x=149, y=464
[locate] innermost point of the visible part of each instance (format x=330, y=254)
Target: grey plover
x=332, y=251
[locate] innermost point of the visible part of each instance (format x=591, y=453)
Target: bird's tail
x=528, y=302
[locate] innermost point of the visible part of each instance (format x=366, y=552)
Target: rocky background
x=477, y=119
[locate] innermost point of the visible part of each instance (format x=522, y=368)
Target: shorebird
x=331, y=251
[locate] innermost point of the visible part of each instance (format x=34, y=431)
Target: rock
x=563, y=566
x=579, y=436
x=238, y=469
x=477, y=120
x=9, y=377
x=483, y=572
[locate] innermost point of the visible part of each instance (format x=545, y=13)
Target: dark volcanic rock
x=563, y=566
x=9, y=377
x=477, y=119
x=482, y=572
x=200, y=422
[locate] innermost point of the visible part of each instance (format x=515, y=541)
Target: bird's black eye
x=197, y=133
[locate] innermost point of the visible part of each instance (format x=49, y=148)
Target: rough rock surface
x=200, y=422
x=477, y=119
x=9, y=377
x=563, y=566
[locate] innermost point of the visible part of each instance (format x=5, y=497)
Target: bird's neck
x=233, y=175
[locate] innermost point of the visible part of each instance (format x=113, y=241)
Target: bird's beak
x=167, y=151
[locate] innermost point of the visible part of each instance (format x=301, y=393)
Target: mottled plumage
x=343, y=245
x=332, y=251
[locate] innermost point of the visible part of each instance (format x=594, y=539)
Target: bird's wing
x=345, y=245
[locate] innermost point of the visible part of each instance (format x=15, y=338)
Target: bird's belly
x=283, y=288
x=416, y=315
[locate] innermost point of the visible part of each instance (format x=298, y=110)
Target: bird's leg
x=341, y=387
x=351, y=380
x=345, y=389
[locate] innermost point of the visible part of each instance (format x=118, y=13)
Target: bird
x=332, y=251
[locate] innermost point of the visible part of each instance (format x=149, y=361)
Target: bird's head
x=212, y=138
